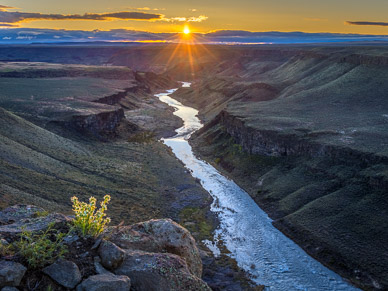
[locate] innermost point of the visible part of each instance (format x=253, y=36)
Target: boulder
x=65, y=273
x=70, y=238
x=105, y=282
x=111, y=255
x=98, y=267
x=159, y=236
x=11, y=273
x=18, y=212
x=33, y=224
x=159, y=272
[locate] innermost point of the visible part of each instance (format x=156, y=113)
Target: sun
x=186, y=30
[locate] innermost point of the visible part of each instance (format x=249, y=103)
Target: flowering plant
x=87, y=220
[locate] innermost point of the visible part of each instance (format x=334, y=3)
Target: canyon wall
x=314, y=155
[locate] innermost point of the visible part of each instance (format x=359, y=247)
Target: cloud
x=5, y=8
x=198, y=19
x=174, y=19
x=186, y=19
x=146, y=8
x=142, y=13
x=8, y=25
x=143, y=8
x=366, y=23
x=16, y=17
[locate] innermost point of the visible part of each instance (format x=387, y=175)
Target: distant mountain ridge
x=34, y=35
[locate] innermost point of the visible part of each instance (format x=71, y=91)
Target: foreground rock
x=154, y=272
x=98, y=267
x=65, y=273
x=105, y=282
x=19, y=212
x=160, y=236
x=155, y=255
x=21, y=223
x=11, y=273
x=111, y=255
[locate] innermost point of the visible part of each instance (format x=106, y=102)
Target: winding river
x=259, y=248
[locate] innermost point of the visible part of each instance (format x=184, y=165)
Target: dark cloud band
x=367, y=23
x=7, y=25
x=16, y=17
x=3, y=7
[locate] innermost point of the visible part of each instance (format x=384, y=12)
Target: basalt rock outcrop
x=171, y=261
x=161, y=235
x=276, y=143
x=99, y=123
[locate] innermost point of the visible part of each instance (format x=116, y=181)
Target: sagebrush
x=40, y=249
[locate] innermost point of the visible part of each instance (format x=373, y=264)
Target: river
x=259, y=248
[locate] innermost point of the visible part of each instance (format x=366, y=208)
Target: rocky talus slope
x=152, y=255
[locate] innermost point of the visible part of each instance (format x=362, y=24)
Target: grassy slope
x=38, y=165
x=45, y=165
x=341, y=98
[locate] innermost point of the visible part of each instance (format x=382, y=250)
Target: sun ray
x=187, y=45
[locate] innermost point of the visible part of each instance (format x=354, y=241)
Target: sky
x=202, y=16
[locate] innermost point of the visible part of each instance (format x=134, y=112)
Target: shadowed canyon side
x=305, y=133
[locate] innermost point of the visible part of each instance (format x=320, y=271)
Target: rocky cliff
x=276, y=143
x=102, y=123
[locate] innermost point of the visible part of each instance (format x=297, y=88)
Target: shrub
x=6, y=249
x=86, y=220
x=40, y=249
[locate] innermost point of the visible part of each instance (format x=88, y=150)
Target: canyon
x=301, y=128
